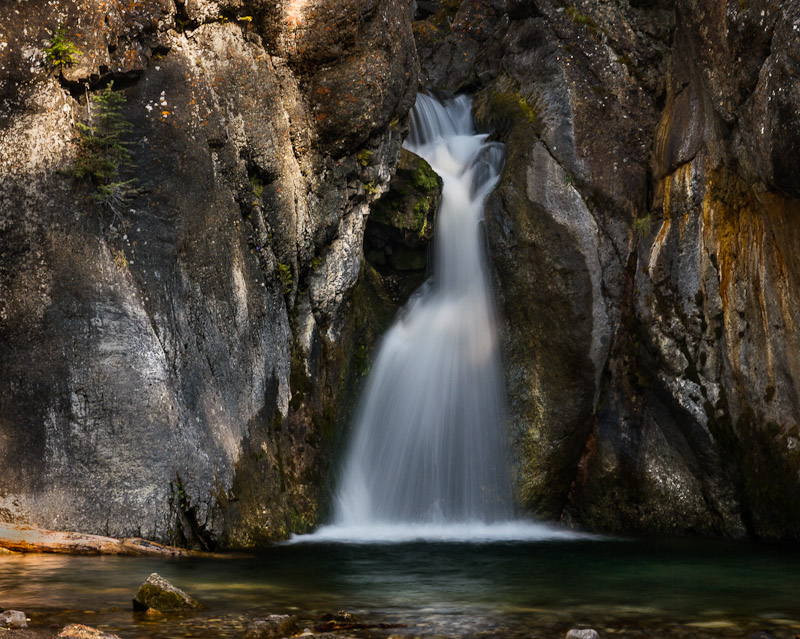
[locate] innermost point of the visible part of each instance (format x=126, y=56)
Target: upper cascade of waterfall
x=432, y=122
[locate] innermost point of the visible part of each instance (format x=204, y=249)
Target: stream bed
x=642, y=588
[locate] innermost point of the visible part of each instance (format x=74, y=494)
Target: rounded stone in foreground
x=271, y=626
x=161, y=595
x=582, y=633
x=78, y=631
x=14, y=619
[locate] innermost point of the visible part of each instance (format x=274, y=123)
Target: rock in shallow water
x=13, y=619
x=582, y=633
x=78, y=631
x=161, y=595
x=271, y=626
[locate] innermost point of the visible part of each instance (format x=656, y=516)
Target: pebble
x=582, y=633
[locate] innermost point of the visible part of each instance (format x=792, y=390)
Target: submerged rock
x=271, y=626
x=582, y=633
x=14, y=619
x=161, y=595
x=342, y=616
x=78, y=631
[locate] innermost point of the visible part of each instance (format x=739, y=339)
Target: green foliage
x=642, y=226
x=285, y=277
x=582, y=19
x=60, y=52
x=364, y=157
x=425, y=178
x=103, y=156
x=316, y=262
x=370, y=188
x=258, y=189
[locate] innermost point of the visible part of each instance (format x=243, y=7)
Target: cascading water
x=428, y=456
x=430, y=441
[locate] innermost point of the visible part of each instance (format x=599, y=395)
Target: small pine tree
x=103, y=156
x=60, y=52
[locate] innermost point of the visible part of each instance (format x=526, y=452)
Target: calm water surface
x=436, y=589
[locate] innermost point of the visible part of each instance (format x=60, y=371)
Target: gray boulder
x=582, y=633
x=161, y=595
x=13, y=619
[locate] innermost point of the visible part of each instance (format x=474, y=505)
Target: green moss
x=508, y=107
x=160, y=599
x=425, y=178
x=642, y=226
x=582, y=19
x=316, y=262
x=421, y=209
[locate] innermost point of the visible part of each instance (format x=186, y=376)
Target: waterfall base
x=464, y=532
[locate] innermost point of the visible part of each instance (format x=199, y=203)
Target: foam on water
x=462, y=532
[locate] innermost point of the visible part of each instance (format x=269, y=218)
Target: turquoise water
x=436, y=589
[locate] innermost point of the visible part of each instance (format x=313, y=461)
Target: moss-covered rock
x=159, y=594
x=401, y=224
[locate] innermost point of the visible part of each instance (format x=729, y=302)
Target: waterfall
x=428, y=455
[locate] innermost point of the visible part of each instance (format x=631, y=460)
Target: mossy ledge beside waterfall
x=429, y=453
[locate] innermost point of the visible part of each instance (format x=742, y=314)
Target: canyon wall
x=178, y=358
x=645, y=252
x=174, y=356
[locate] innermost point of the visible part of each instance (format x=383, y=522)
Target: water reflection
x=455, y=589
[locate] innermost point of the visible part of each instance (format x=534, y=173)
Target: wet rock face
x=172, y=367
x=400, y=227
x=575, y=119
x=643, y=246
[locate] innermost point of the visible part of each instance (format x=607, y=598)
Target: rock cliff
x=645, y=253
x=173, y=354
x=179, y=345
